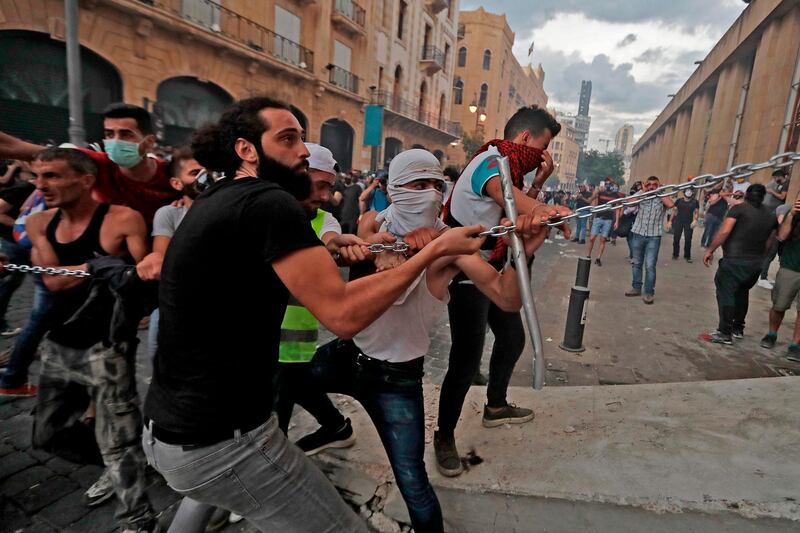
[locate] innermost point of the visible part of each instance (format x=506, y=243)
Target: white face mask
x=412, y=209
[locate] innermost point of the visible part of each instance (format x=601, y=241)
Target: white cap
x=320, y=158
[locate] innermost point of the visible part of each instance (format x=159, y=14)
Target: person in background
x=375, y=197
x=684, y=220
x=603, y=223
x=715, y=208
x=776, y=195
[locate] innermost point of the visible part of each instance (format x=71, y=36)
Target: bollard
x=576, y=320
x=582, y=277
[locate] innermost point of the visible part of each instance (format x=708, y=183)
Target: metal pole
x=582, y=276
x=576, y=320
x=523, y=277
x=77, y=133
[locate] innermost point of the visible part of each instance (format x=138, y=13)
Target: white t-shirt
x=470, y=204
x=329, y=223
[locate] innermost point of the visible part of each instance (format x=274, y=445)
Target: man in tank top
x=79, y=363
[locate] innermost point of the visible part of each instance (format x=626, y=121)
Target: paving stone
x=17, y=431
x=356, y=487
x=15, y=462
x=12, y=518
x=86, y=475
x=62, y=466
x=6, y=449
x=26, y=479
x=40, y=455
x=65, y=510
x=39, y=526
x=9, y=409
x=615, y=375
x=45, y=493
x=98, y=520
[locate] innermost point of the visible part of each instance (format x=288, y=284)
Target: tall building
x=585, y=98
x=581, y=124
x=740, y=105
x=188, y=59
x=623, y=141
x=489, y=82
x=411, y=73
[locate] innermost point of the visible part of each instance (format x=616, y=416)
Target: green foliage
x=593, y=167
x=471, y=142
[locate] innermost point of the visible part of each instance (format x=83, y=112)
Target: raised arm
x=13, y=148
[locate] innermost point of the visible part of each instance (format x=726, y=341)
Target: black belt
x=198, y=439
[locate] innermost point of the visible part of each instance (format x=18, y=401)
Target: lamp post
x=480, y=113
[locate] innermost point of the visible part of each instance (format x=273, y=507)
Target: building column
x=723, y=115
x=696, y=135
x=674, y=173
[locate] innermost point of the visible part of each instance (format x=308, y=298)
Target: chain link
x=399, y=247
x=497, y=231
x=699, y=182
x=25, y=269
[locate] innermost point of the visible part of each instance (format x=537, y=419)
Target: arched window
x=462, y=56
x=484, y=94
x=487, y=59
x=458, y=91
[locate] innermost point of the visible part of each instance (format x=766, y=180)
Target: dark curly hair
x=533, y=119
x=214, y=145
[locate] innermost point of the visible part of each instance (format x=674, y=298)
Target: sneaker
x=689, y=260
x=633, y=292
x=510, y=414
x=10, y=331
x=5, y=356
x=765, y=284
x=721, y=338
x=769, y=340
x=23, y=391
x=648, y=299
x=793, y=353
x=100, y=491
x=324, y=438
x=674, y=257
x=480, y=379
x=582, y=241
x=737, y=333
x=598, y=262
x=235, y=518
x=447, y=460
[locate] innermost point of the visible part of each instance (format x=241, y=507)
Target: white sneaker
x=765, y=284
x=235, y=518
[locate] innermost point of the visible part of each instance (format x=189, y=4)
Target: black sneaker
x=769, y=341
x=324, y=438
x=598, y=262
x=480, y=380
x=793, y=353
x=510, y=414
x=737, y=333
x=447, y=460
x=582, y=241
x=721, y=338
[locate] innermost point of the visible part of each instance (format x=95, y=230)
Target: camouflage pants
x=69, y=379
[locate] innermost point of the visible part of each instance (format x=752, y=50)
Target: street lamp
x=480, y=113
x=473, y=106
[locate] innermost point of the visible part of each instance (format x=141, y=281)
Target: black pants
x=296, y=386
x=734, y=279
x=773, y=251
x=682, y=227
x=469, y=312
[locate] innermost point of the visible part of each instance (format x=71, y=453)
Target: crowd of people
x=243, y=232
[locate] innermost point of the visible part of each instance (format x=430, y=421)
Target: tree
x=471, y=142
x=594, y=167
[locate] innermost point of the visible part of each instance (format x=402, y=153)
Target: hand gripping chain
x=25, y=269
x=700, y=182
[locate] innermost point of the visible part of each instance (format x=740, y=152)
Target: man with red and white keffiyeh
x=477, y=198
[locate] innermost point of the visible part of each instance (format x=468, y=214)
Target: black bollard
x=582, y=277
x=576, y=319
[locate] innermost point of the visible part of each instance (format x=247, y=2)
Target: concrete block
x=615, y=375
x=15, y=462
x=45, y=493
x=395, y=507
x=355, y=486
x=65, y=510
x=62, y=466
x=26, y=479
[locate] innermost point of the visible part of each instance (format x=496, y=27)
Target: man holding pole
x=478, y=197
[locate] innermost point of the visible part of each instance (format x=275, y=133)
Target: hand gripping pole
x=523, y=276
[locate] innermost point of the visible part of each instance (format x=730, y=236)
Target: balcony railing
x=403, y=107
x=352, y=11
x=344, y=78
x=221, y=20
x=431, y=53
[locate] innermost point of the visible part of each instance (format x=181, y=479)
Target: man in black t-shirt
x=583, y=199
x=246, y=243
x=745, y=235
x=684, y=220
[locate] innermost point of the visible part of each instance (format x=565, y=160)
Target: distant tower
x=586, y=97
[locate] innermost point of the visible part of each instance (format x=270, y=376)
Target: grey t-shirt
x=770, y=201
x=167, y=220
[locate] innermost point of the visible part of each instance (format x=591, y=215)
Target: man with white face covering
x=684, y=219
x=382, y=367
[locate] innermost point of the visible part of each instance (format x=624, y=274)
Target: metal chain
x=399, y=247
x=497, y=231
x=25, y=269
x=700, y=182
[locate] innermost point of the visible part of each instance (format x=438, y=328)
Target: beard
x=295, y=181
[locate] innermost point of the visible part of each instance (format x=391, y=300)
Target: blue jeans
x=391, y=394
x=711, y=225
x=645, y=252
x=9, y=284
x=28, y=341
x=580, y=228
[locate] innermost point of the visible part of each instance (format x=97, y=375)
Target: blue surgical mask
x=124, y=153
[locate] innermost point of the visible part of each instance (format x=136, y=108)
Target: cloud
x=651, y=55
x=630, y=38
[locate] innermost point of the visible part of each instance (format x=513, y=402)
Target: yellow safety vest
x=299, y=327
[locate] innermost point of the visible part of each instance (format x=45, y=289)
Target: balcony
x=436, y=6
x=349, y=17
x=432, y=60
x=403, y=108
x=221, y=21
x=462, y=31
x=343, y=78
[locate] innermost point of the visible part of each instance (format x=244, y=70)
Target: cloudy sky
x=636, y=52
